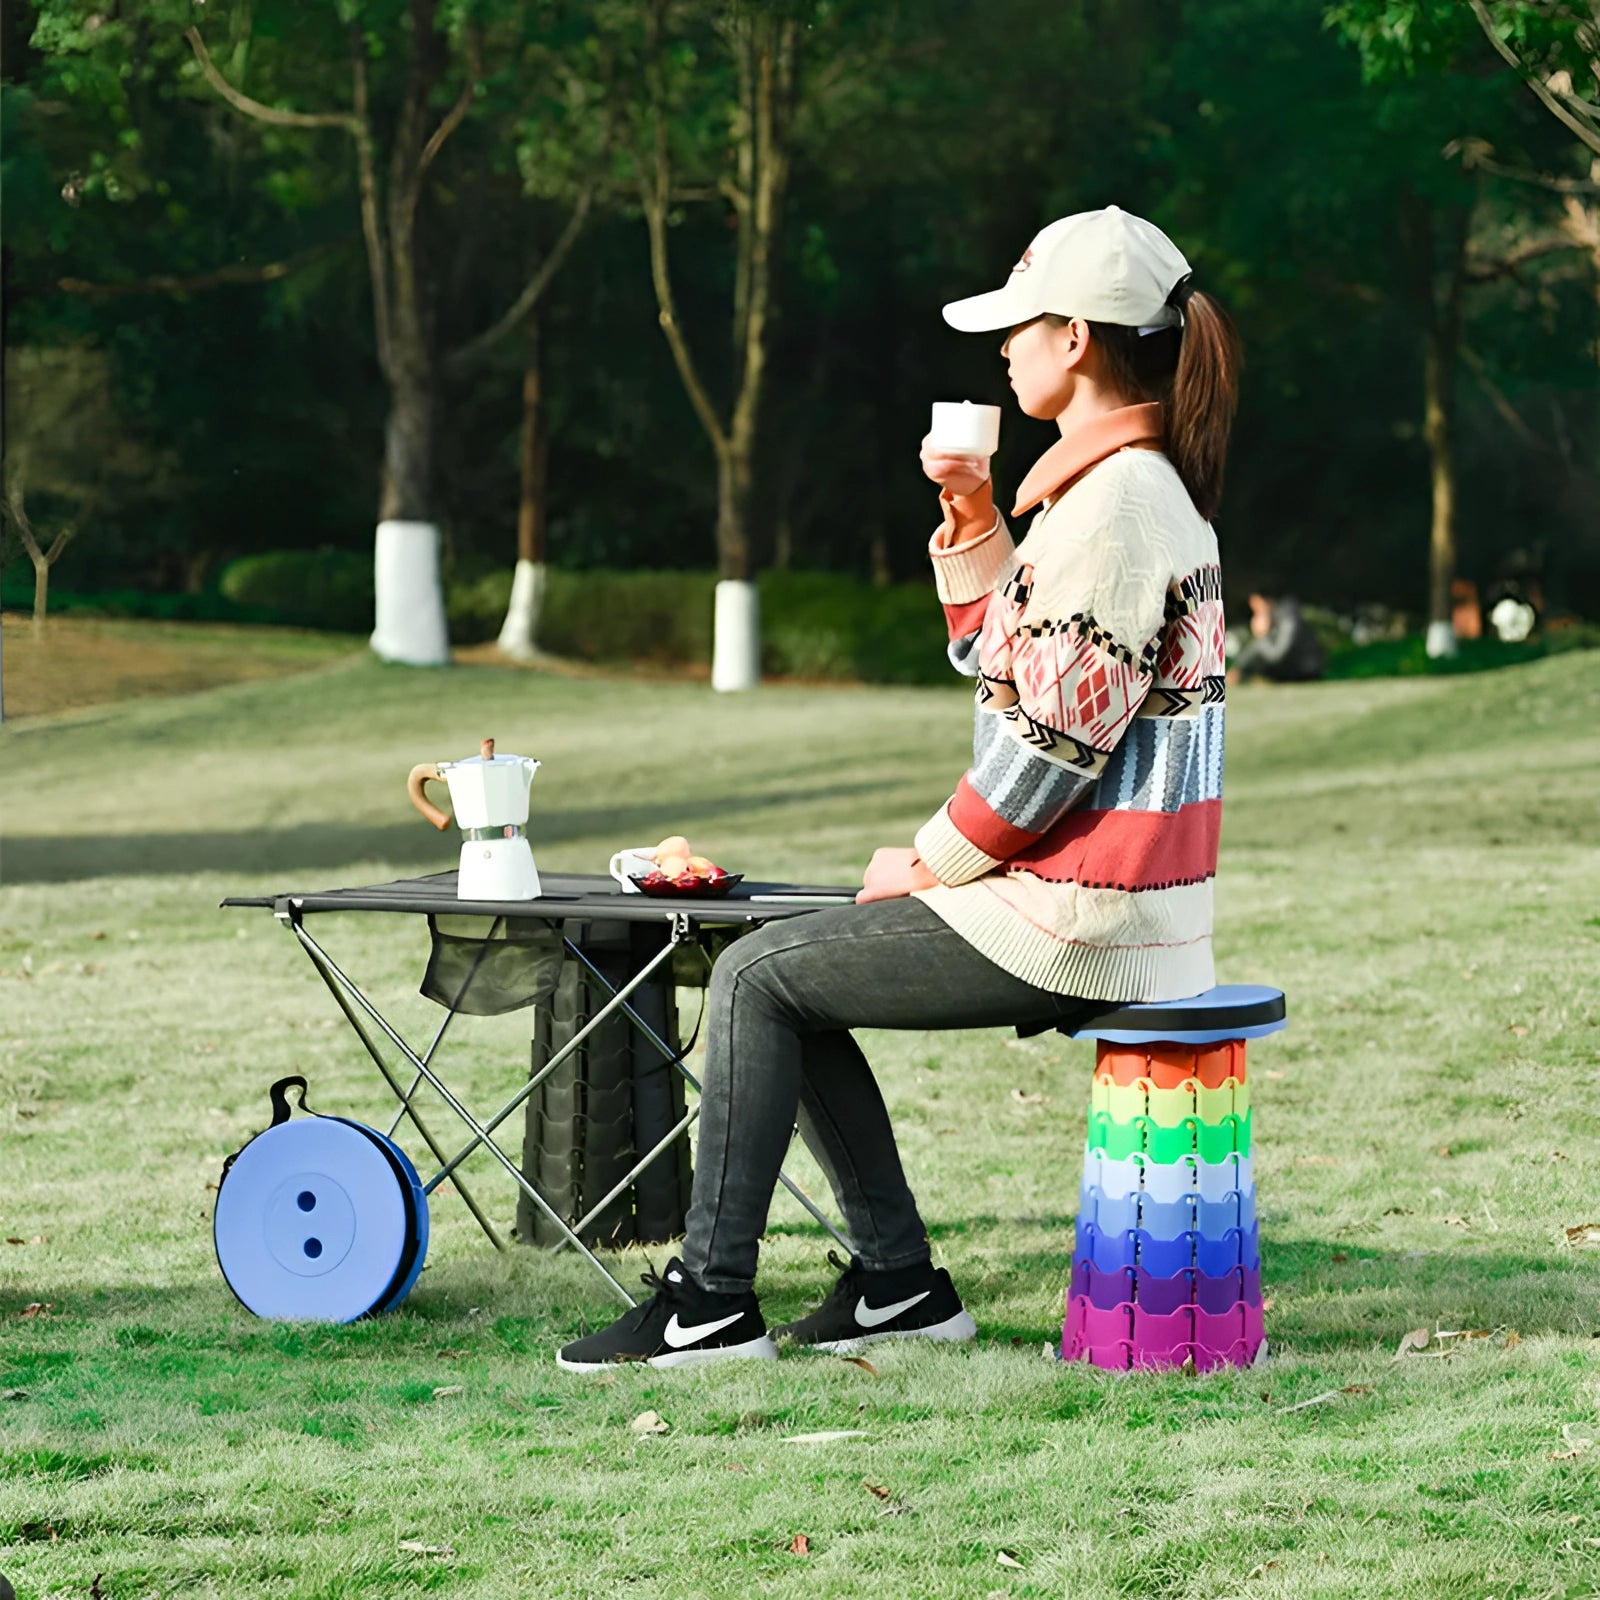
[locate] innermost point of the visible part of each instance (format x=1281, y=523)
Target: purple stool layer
x=1158, y=1295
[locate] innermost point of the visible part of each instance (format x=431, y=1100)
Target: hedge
x=815, y=625
x=820, y=625
x=325, y=588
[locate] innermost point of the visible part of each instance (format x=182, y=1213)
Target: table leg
x=407, y=1109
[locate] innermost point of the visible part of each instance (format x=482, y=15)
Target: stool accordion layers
x=1167, y=1266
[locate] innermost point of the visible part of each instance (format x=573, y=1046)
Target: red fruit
x=686, y=880
x=656, y=879
x=715, y=875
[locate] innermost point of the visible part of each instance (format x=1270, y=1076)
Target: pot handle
x=426, y=772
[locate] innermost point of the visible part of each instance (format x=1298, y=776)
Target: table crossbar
x=449, y=1017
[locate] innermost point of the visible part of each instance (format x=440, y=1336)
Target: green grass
x=1413, y=861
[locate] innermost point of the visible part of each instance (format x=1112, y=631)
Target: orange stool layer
x=1169, y=1066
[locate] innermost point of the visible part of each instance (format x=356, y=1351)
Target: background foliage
x=194, y=286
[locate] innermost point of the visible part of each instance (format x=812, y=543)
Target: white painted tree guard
x=1441, y=640
x=410, y=624
x=519, y=631
x=736, y=640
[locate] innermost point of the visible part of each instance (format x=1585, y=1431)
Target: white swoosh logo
x=870, y=1318
x=678, y=1336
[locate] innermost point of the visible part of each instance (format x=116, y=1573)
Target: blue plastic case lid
x=314, y=1221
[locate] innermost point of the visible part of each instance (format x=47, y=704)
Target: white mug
x=963, y=429
x=626, y=865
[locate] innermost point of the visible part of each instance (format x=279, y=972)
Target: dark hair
x=1194, y=372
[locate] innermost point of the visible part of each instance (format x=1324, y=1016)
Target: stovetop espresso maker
x=489, y=794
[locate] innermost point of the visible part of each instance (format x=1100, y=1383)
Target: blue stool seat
x=1230, y=1011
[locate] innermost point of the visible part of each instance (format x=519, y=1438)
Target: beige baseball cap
x=1104, y=266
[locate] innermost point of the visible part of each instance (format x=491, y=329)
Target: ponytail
x=1205, y=395
x=1194, y=372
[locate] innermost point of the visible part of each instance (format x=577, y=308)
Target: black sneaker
x=866, y=1307
x=680, y=1325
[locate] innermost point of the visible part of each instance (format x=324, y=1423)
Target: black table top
x=566, y=896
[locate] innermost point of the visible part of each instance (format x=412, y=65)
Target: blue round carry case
x=319, y=1218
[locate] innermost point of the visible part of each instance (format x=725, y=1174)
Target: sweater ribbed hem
x=969, y=571
x=1122, y=973
x=948, y=853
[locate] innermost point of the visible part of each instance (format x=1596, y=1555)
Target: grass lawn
x=1413, y=861
x=85, y=661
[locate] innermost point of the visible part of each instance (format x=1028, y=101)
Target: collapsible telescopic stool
x=319, y=1218
x=1167, y=1266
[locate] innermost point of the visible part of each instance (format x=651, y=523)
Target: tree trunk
x=407, y=491
x=882, y=572
x=733, y=511
x=535, y=457
x=1438, y=426
x=1439, y=431
x=736, y=623
x=519, y=636
x=41, y=594
x=410, y=624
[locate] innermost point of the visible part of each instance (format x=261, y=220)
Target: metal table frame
x=565, y=899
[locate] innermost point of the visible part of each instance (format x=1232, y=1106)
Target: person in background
x=1283, y=647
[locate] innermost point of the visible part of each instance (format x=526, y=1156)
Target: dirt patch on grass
x=83, y=661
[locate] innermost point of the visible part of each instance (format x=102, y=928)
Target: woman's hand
x=959, y=474
x=892, y=874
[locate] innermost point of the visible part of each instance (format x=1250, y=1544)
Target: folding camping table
x=565, y=899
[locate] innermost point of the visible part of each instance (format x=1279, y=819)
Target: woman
x=1072, y=866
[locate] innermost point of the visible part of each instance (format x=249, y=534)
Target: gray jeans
x=779, y=1049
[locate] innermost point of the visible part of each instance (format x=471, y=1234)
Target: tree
x=519, y=634
x=398, y=81
x=746, y=163
x=67, y=449
x=410, y=616
x=1422, y=57
x=1537, y=41
x=42, y=556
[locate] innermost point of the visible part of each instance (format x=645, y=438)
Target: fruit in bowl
x=678, y=872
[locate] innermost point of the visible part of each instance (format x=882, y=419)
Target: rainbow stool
x=1167, y=1266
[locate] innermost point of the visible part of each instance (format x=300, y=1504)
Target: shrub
x=828, y=625
x=663, y=618
x=1408, y=657
x=324, y=588
x=475, y=608
x=813, y=624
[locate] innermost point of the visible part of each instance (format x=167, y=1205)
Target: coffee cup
x=626, y=865
x=962, y=429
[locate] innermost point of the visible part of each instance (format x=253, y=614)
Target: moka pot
x=489, y=795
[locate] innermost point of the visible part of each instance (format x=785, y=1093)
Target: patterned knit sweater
x=1078, y=851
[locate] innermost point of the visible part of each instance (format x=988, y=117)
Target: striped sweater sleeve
x=972, y=552
x=1066, y=658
